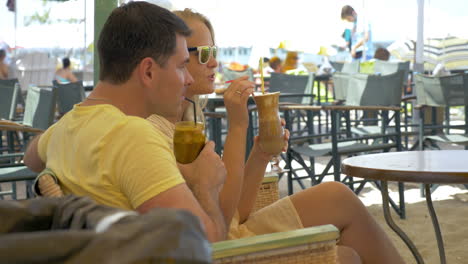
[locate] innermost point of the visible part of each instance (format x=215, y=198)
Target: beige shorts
x=278, y=217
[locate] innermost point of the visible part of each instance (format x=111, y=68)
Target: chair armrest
x=408, y=97
x=311, y=245
x=352, y=107
x=300, y=107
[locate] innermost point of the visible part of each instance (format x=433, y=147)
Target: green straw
x=194, y=110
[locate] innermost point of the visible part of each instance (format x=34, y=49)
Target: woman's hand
x=235, y=100
x=257, y=149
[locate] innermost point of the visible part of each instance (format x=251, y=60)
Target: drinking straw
x=194, y=110
x=229, y=81
x=261, y=75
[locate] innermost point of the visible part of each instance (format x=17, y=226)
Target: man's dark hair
x=346, y=11
x=135, y=31
x=382, y=54
x=65, y=63
x=2, y=53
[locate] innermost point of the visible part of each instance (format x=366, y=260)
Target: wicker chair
x=311, y=245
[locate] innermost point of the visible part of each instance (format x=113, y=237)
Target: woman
x=327, y=203
x=65, y=75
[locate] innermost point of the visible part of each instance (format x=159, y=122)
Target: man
x=361, y=37
x=104, y=148
x=3, y=65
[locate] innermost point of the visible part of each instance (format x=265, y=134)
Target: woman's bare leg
x=334, y=203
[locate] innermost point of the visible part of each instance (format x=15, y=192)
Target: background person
x=361, y=35
x=382, y=54
x=291, y=62
x=3, y=65
x=274, y=65
x=64, y=74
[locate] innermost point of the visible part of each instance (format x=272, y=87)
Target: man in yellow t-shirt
x=104, y=148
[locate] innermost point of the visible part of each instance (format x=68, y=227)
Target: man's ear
x=148, y=69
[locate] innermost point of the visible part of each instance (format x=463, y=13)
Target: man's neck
x=125, y=97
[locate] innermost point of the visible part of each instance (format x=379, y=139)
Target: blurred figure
x=361, y=37
x=65, y=75
x=274, y=65
x=3, y=66
x=291, y=62
x=382, y=54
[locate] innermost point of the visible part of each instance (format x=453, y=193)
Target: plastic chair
x=9, y=94
x=68, y=95
x=445, y=91
x=38, y=116
x=369, y=93
x=300, y=85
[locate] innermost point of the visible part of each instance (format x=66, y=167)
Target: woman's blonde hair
x=187, y=15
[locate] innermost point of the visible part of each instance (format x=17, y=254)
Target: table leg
x=394, y=227
x=435, y=223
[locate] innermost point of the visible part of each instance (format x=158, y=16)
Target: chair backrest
x=351, y=67
x=9, y=91
x=292, y=84
x=386, y=67
x=231, y=75
x=441, y=91
x=40, y=107
x=340, y=85
x=338, y=66
x=68, y=95
x=375, y=90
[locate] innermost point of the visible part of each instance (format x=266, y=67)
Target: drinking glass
x=189, y=139
x=270, y=130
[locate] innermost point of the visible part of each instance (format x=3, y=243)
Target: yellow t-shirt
x=117, y=160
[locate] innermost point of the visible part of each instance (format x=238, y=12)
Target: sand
x=451, y=205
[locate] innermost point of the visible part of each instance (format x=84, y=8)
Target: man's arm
x=204, y=177
x=3, y=71
x=31, y=157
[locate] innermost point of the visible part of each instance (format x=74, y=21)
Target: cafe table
x=426, y=167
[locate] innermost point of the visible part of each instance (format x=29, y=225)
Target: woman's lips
x=211, y=77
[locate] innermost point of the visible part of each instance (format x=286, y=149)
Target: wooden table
x=427, y=167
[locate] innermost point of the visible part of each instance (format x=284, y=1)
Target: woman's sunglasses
x=205, y=52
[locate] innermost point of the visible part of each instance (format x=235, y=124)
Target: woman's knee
x=347, y=255
x=337, y=190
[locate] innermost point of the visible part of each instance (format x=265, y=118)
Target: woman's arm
x=235, y=100
x=253, y=176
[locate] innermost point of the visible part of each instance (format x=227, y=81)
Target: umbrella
x=452, y=52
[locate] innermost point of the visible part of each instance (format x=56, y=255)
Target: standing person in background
x=3, y=66
x=361, y=35
x=65, y=75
